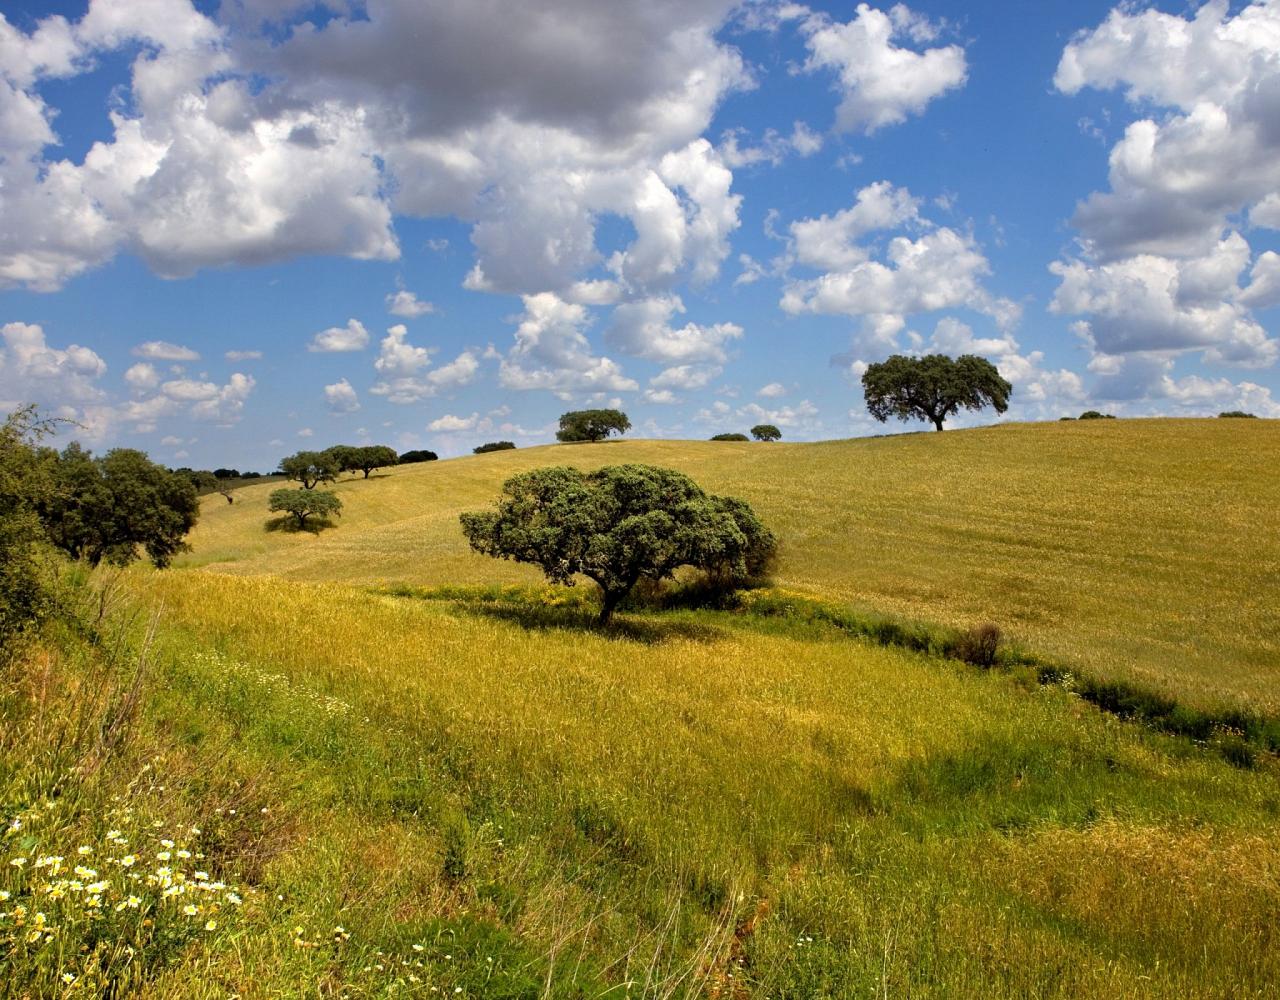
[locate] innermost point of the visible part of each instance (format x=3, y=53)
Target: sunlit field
x=362, y=762
x=1145, y=550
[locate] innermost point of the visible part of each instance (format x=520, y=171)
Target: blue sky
x=232, y=230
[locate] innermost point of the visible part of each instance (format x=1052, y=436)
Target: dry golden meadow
x=471, y=792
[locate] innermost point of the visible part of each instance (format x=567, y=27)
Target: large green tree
x=617, y=525
x=311, y=468
x=591, y=425
x=766, y=432
x=363, y=458
x=106, y=509
x=302, y=504
x=933, y=387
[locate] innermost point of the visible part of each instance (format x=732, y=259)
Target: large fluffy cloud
x=881, y=81
x=240, y=146
x=941, y=268
x=552, y=352
x=1161, y=270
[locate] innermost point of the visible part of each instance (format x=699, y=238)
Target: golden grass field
x=1146, y=550
x=494, y=799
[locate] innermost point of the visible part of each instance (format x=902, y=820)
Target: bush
x=25, y=485
x=484, y=449
x=410, y=457
x=1239, y=414
x=730, y=437
x=979, y=645
x=1095, y=415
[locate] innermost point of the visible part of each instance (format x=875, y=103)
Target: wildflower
x=18, y=862
x=129, y=860
x=15, y=826
x=190, y=910
x=418, y=947
x=233, y=899
x=4, y=895
x=84, y=872
x=166, y=843
x=113, y=834
x=68, y=978
x=184, y=854
x=84, y=849
x=163, y=855
x=202, y=876
x=211, y=925
x=94, y=901
x=134, y=902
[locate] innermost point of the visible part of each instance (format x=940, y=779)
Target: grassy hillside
x=1143, y=550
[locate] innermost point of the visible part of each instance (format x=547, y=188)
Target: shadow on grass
x=288, y=525
x=543, y=618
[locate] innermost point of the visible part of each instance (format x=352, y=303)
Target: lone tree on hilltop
x=591, y=425
x=766, y=432
x=302, y=504
x=105, y=509
x=418, y=455
x=933, y=387
x=617, y=525
x=311, y=468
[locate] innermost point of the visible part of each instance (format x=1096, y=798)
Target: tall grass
x=700, y=810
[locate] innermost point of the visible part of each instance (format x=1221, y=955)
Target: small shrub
x=1239, y=414
x=730, y=437
x=1095, y=415
x=979, y=645
x=484, y=449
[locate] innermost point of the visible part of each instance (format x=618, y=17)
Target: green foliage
x=591, y=425
x=766, y=432
x=729, y=437
x=362, y=458
x=618, y=525
x=25, y=486
x=104, y=509
x=304, y=503
x=1238, y=415
x=484, y=449
x=422, y=455
x=226, y=473
x=311, y=468
x=933, y=387
x=1096, y=415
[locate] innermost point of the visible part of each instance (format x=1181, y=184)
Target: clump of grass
x=978, y=646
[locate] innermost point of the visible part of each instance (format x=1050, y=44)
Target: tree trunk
x=609, y=600
x=937, y=423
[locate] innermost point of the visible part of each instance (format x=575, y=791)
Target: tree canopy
x=421, y=455
x=591, y=425
x=363, y=458
x=484, y=449
x=25, y=485
x=933, y=387
x=107, y=508
x=729, y=437
x=766, y=432
x=311, y=467
x=304, y=503
x=617, y=525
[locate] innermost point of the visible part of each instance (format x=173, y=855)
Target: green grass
x=1141, y=550
x=691, y=804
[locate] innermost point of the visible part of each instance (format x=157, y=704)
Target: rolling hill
x=1145, y=550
